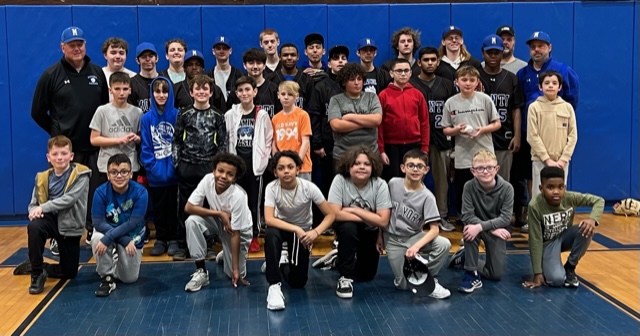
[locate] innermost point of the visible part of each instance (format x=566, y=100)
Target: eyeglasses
x=487, y=169
x=454, y=38
x=115, y=173
x=402, y=71
x=419, y=166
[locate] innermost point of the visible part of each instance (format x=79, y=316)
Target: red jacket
x=405, y=117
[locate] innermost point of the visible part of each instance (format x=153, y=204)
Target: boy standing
x=414, y=206
x=471, y=117
x=115, y=51
x=288, y=70
x=224, y=74
x=194, y=65
x=552, y=133
x=227, y=217
x=552, y=230
x=175, y=49
x=147, y=58
x=376, y=79
x=269, y=41
x=200, y=134
x=314, y=50
x=405, y=42
x=115, y=126
x=487, y=205
x=118, y=213
x=59, y=200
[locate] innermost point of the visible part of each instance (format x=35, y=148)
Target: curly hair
x=273, y=164
x=414, y=33
x=350, y=71
x=349, y=157
x=230, y=159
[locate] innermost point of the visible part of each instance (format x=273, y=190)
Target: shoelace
x=344, y=282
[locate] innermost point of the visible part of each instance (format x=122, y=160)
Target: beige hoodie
x=551, y=129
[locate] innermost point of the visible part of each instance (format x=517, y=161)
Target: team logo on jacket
x=93, y=80
x=162, y=136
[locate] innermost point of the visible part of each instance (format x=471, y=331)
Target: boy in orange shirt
x=292, y=127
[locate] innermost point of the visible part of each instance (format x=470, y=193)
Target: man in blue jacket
x=540, y=50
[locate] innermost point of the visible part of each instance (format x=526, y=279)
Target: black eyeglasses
x=419, y=166
x=115, y=173
x=402, y=71
x=487, y=169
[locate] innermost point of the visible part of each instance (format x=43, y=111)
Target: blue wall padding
x=158, y=24
x=466, y=15
x=606, y=158
x=429, y=19
x=350, y=23
x=6, y=175
x=31, y=49
x=305, y=18
x=242, y=24
x=603, y=147
x=100, y=23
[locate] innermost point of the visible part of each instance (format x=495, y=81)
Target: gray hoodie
x=492, y=209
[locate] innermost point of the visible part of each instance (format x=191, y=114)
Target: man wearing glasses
x=405, y=120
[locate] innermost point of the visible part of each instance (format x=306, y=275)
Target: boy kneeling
x=118, y=213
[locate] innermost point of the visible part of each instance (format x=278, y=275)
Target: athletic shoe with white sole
x=344, y=289
x=457, y=259
x=470, y=282
x=439, y=292
x=220, y=258
x=53, y=247
x=199, y=279
x=325, y=260
x=275, y=298
x=107, y=286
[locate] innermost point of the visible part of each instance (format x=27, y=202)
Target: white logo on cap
x=493, y=40
x=221, y=38
x=193, y=53
x=452, y=27
x=74, y=31
x=368, y=41
x=535, y=35
x=505, y=28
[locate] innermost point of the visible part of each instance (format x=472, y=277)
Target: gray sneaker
x=446, y=226
x=524, y=228
x=199, y=279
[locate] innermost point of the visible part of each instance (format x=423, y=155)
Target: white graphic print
x=162, y=136
x=555, y=223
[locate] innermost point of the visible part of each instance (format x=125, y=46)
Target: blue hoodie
x=156, y=133
x=528, y=80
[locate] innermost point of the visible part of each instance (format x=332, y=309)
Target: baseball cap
x=506, y=30
x=367, y=42
x=539, y=36
x=450, y=30
x=338, y=49
x=313, y=38
x=194, y=54
x=492, y=42
x=145, y=46
x=418, y=277
x=221, y=40
x=72, y=34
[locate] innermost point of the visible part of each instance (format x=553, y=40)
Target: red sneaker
x=255, y=245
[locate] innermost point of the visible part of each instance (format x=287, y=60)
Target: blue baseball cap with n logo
x=539, y=36
x=72, y=34
x=492, y=41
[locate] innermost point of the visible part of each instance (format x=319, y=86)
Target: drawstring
x=294, y=251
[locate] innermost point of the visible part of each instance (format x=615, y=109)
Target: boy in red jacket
x=405, y=120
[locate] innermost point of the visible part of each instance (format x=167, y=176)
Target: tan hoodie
x=551, y=129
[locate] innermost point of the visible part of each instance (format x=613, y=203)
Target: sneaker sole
x=274, y=308
x=447, y=229
x=440, y=297
x=571, y=285
x=196, y=289
x=469, y=290
x=321, y=261
x=105, y=294
x=344, y=295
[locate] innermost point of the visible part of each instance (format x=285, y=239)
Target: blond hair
x=464, y=53
x=289, y=87
x=484, y=155
x=467, y=70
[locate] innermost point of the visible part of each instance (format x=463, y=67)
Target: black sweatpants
x=461, y=177
x=521, y=171
x=252, y=185
x=89, y=159
x=165, y=212
x=322, y=175
x=357, y=253
x=395, y=154
x=295, y=273
x=189, y=175
x=41, y=229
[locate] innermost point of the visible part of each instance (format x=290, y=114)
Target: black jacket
x=436, y=95
x=447, y=71
x=183, y=97
x=230, y=85
x=322, y=136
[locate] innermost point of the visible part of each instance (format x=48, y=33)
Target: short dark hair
x=175, y=40
x=201, y=81
x=398, y=61
x=428, y=50
x=551, y=172
x=231, y=159
x=254, y=55
x=288, y=45
x=549, y=73
x=416, y=154
x=160, y=84
x=115, y=42
x=118, y=159
x=286, y=153
x=348, y=159
x=119, y=77
x=350, y=71
x=246, y=80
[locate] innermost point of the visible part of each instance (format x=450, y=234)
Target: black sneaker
x=37, y=283
x=180, y=255
x=107, y=286
x=24, y=268
x=571, y=279
x=158, y=249
x=53, y=247
x=89, y=235
x=344, y=289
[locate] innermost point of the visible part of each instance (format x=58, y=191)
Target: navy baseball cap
x=451, y=30
x=338, y=49
x=419, y=279
x=313, y=38
x=145, y=46
x=506, y=30
x=492, y=42
x=367, y=42
x=221, y=40
x=539, y=36
x=72, y=34
x=194, y=54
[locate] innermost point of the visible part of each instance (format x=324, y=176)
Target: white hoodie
x=262, y=136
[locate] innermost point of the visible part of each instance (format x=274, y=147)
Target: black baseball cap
x=313, y=38
x=338, y=49
x=505, y=30
x=418, y=277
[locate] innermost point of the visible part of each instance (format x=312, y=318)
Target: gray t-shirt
x=411, y=209
x=339, y=105
x=113, y=122
x=57, y=183
x=477, y=111
x=514, y=66
x=374, y=196
x=293, y=206
x=221, y=78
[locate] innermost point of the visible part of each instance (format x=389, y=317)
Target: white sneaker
x=220, y=258
x=199, y=279
x=263, y=268
x=344, y=289
x=275, y=298
x=325, y=260
x=440, y=292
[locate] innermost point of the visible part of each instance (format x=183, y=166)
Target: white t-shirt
x=233, y=200
x=293, y=206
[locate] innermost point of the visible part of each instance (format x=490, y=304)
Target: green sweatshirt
x=546, y=223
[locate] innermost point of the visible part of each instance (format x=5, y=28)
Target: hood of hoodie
x=497, y=189
x=545, y=100
x=170, y=98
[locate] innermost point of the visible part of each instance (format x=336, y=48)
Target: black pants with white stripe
x=296, y=271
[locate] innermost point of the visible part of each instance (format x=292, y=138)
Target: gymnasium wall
x=598, y=39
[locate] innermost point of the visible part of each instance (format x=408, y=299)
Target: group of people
x=337, y=145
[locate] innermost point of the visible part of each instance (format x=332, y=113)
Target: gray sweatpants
x=569, y=239
x=505, y=161
x=197, y=227
x=440, y=161
x=125, y=268
x=397, y=246
x=494, y=263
